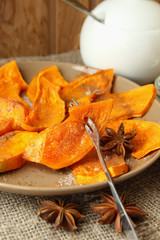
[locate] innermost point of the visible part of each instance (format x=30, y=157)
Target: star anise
x=59, y=213
x=109, y=211
x=118, y=141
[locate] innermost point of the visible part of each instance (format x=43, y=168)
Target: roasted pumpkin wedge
x=68, y=142
x=97, y=83
x=147, y=138
x=82, y=101
x=87, y=99
x=52, y=74
x=6, y=125
x=11, y=82
x=11, y=109
x=89, y=169
x=12, y=92
x=48, y=108
x=10, y=72
x=132, y=103
x=12, y=146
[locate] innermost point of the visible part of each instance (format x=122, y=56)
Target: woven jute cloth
x=18, y=213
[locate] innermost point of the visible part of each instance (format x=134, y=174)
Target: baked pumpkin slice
x=97, y=83
x=84, y=100
x=147, y=138
x=89, y=169
x=132, y=103
x=11, y=109
x=6, y=125
x=12, y=146
x=12, y=82
x=52, y=74
x=48, y=108
x=68, y=142
x=15, y=112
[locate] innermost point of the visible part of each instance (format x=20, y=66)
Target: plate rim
x=76, y=189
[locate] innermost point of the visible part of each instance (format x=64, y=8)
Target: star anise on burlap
x=59, y=213
x=109, y=211
x=118, y=141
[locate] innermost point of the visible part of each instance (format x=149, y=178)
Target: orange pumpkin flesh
x=68, y=142
x=97, y=83
x=84, y=100
x=132, y=103
x=11, y=82
x=147, y=138
x=89, y=169
x=10, y=73
x=11, y=109
x=12, y=146
x=6, y=125
x=48, y=108
x=87, y=99
x=52, y=74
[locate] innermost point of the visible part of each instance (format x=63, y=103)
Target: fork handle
x=127, y=225
x=77, y=5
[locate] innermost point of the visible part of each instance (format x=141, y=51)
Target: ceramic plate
x=36, y=179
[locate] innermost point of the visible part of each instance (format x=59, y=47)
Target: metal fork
x=77, y=5
x=126, y=223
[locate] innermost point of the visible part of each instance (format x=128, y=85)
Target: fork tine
x=89, y=126
x=76, y=103
x=88, y=129
x=90, y=121
x=71, y=104
x=92, y=125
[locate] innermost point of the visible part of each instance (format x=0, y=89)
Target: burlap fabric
x=18, y=213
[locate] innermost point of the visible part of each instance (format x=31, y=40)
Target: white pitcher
x=129, y=41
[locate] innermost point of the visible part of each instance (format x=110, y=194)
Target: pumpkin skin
x=68, y=142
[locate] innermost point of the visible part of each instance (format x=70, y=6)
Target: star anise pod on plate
x=118, y=141
x=109, y=211
x=59, y=213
